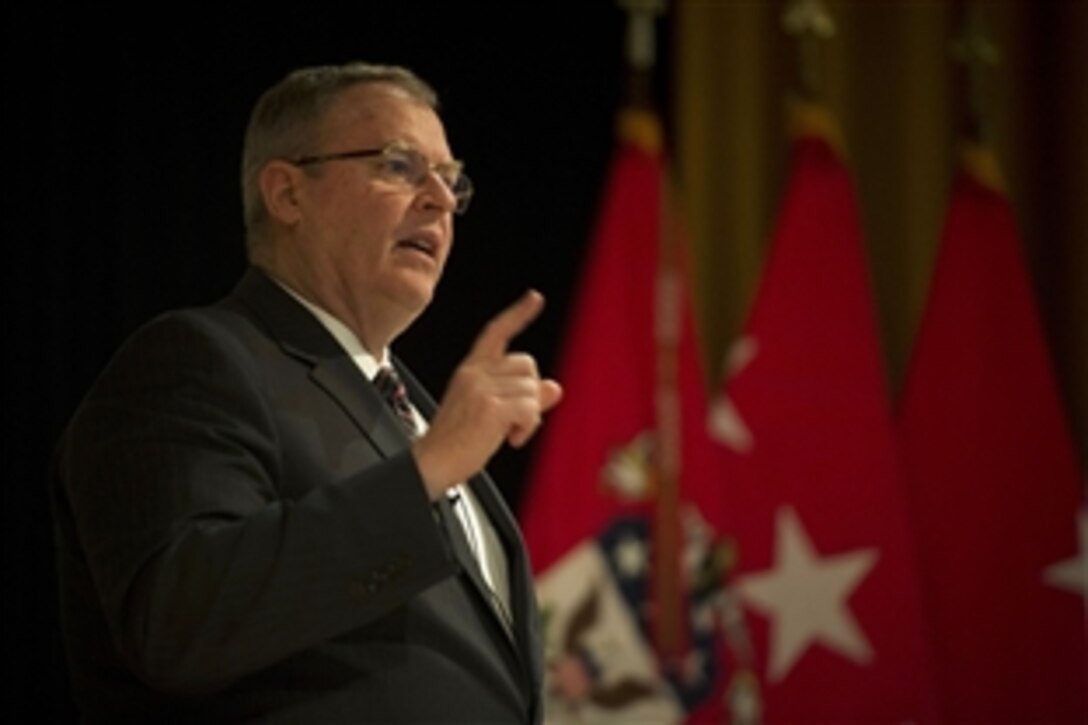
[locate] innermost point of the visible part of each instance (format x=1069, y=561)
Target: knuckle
x=522, y=363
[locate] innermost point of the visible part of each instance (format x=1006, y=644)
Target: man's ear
x=279, y=183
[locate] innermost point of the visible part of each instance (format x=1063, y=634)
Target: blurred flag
x=993, y=476
x=639, y=623
x=814, y=489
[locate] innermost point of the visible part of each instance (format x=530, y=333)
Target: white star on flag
x=1072, y=574
x=805, y=597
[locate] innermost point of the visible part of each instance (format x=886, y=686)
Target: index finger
x=506, y=325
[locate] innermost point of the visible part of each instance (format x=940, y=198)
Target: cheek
x=362, y=249
x=375, y=214
x=366, y=231
x=449, y=247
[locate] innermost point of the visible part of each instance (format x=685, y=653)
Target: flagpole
x=640, y=55
x=976, y=53
x=811, y=25
x=640, y=51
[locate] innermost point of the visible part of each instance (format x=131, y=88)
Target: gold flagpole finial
x=810, y=23
x=638, y=121
x=640, y=47
x=976, y=52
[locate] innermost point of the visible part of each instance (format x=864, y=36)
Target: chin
x=415, y=298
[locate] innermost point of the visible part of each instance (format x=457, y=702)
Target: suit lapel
x=305, y=338
x=341, y=379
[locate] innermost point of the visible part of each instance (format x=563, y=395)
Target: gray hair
x=288, y=114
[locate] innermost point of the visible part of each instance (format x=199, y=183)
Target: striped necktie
x=392, y=389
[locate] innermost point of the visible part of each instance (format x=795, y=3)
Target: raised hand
x=494, y=395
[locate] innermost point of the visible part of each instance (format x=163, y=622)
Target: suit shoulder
x=185, y=329
x=189, y=344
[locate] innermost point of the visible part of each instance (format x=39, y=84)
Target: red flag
x=639, y=626
x=993, y=476
x=814, y=479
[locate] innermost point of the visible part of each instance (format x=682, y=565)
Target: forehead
x=375, y=114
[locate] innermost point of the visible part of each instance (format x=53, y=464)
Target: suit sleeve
x=205, y=573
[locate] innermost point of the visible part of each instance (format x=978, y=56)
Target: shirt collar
x=367, y=362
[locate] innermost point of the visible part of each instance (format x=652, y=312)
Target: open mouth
x=423, y=246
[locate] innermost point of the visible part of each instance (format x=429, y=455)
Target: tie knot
x=389, y=384
x=391, y=388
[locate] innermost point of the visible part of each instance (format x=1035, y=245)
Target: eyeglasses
x=408, y=167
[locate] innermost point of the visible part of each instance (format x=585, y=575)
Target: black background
x=123, y=140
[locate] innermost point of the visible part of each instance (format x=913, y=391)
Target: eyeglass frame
x=462, y=197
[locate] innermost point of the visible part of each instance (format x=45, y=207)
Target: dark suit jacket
x=243, y=535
